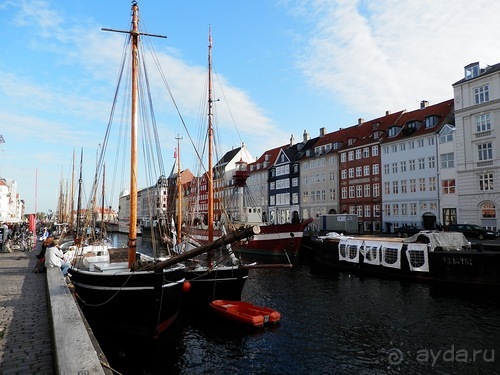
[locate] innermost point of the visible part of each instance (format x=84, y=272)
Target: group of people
x=52, y=256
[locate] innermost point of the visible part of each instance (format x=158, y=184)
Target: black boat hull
x=464, y=267
x=143, y=303
x=219, y=283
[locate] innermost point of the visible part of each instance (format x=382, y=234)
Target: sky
x=284, y=67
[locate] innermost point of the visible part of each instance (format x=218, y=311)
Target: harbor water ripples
x=332, y=323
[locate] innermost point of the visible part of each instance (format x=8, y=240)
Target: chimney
x=292, y=140
x=305, y=137
x=322, y=132
x=361, y=121
x=387, y=113
x=424, y=104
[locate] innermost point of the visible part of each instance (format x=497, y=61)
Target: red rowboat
x=245, y=312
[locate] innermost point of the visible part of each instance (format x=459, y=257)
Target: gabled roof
x=228, y=156
x=361, y=134
x=443, y=111
x=290, y=153
x=272, y=154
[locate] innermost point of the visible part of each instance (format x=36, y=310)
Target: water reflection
x=331, y=323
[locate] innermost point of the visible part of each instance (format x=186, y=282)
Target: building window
x=359, y=171
x=488, y=211
x=387, y=188
x=374, y=150
x=343, y=174
x=350, y=155
x=447, y=160
x=368, y=212
x=449, y=216
x=366, y=152
x=402, y=165
x=482, y=94
x=485, y=151
x=413, y=185
x=446, y=135
x=472, y=71
x=413, y=209
x=432, y=162
x=366, y=190
x=486, y=181
x=358, y=153
x=395, y=209
x=412, y=165
x=359, y=191
x=376, y=190
x=343, y=157
x=421, y=182
x=394, y=167
x=395, y=187
x=431, y=121
x=375, y=169
x=483, y=123
x=421, y=163
x=448, y=186
x=386, y=168
x=366, y=170
x=404, y=188
x=351, y=191
x=432, y=183
x=351, y=172
x=404, y=209
x=393, y=131
x=344, y=193
x=331, y=196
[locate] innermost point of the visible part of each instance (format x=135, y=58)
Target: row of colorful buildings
x=433, y=165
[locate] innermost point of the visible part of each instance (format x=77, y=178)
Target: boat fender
x=186, y=287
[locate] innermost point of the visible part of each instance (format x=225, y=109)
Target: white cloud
x=389, y=55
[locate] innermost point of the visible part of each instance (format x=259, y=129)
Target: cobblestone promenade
x=25, y=340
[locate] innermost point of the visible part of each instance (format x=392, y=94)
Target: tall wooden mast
x=134, y=42
x=179, y=191
x=210, y=179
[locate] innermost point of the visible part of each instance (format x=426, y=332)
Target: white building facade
x=477, y=114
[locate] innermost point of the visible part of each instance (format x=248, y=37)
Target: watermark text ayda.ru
x=396, y=356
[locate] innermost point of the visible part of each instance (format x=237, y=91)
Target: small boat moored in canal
x=246, y=312
x=432, y=256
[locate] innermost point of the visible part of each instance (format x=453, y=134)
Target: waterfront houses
x=429, y=167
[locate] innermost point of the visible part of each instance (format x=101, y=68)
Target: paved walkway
x=25, y=336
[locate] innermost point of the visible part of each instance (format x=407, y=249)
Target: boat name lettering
x=464, y=261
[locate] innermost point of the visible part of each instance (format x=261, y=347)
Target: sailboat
x=211, y=276
x=119, y=288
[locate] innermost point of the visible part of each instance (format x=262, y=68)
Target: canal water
x=332, y=323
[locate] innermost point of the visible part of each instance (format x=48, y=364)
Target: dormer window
x=472, y=70
x=351, y=141
x=431, y=121
x=393, y=131
x=413, y=124
x=337, y=145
